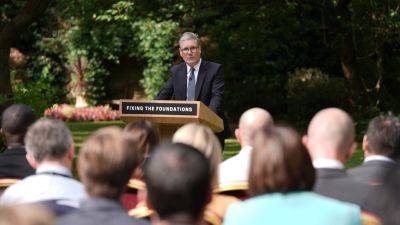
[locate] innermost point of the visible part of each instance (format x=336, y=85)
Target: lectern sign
x=159, y=108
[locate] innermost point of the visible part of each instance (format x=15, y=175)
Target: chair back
x=238, y=190
x=370, y=219
x=6, y=182
x=130, y=198
x=210, y=218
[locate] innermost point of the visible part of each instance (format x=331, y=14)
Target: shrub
x=69, y=113
x=39, y=95
x=310, y=90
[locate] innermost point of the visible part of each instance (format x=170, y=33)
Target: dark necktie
x=191, y=86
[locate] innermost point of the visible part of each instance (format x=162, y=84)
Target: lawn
x=81, y=130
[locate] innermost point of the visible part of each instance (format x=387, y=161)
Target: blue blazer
x=296, y=208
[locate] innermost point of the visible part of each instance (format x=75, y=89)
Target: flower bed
x=69, y=113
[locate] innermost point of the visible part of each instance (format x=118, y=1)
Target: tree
x=10, y=32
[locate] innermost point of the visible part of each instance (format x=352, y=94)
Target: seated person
x=280, y=180
x=106, y=162
x=14, y=123
x=205, y=141
x=330, y=141
x=235, y=170
x=381, y=146
x=145, y=138
x=178, y=182
x=50, y=150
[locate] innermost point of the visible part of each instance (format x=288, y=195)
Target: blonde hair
x=203, y=139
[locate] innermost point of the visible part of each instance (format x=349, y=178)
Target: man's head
x=15, y=122
x=383, y=137
x=178, y=181
x=49, y=140
x=331, y=135
x=106, y=161
x=250, y=122
x=189, y=48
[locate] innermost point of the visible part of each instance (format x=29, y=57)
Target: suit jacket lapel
x=182, y=81
x=200, y=78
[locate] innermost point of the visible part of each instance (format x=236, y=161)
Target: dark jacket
x=209, y=88
x=100, y=211
x=13, y=163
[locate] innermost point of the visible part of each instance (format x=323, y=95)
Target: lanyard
x=55, y=174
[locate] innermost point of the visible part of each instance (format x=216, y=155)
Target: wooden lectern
x=168, y=115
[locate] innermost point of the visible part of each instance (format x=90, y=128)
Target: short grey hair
x=189, y=36
x=48, y=139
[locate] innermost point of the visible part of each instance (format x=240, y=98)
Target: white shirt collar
x=327, y=163
x=196, y=67
x=247, y=149
x=53, y=168
x=379, y=157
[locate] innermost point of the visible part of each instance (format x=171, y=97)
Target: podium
x=169, y=115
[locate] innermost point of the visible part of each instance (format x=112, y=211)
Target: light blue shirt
x=296, y=208
x=196, y=72
x=50, y=183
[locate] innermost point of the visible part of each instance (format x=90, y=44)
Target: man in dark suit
x=14, y=123
x=330, y=142
x=381, y=146
x=196, y=79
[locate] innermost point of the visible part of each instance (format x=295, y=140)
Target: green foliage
x=39, y=95
x=259, y=44
x=310, y=90
x=95, y=79
x=119, y=28
x=155, y=45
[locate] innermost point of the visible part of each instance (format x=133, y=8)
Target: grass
x=81, y=130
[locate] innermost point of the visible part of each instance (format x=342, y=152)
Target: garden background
x=290, y=57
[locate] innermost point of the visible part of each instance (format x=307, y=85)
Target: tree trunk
x=348, y=58
x=9, y=34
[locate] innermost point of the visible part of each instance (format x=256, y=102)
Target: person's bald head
x=250, y=122
x=331, y=134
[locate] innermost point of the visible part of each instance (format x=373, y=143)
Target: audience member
x=14, y=123
x=236, y=169
x=178, y=181
x=381, y=146
x=281, y=179
x=50, y=150
x=26, y=215
x=330, y=142
x=203, y=139
x=106, y=162
x=390, y=198
x=145, y=137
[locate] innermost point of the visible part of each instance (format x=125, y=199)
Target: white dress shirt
x=49, y=183
x=196, y=72
x=236, y=169
x=378, y=158
x=324, y=163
